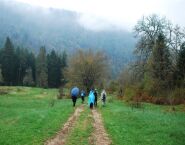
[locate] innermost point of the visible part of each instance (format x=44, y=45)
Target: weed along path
x=99, y=136
x=61, y=136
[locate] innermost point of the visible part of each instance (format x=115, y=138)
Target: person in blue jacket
x=74, y=94
x=91, y=99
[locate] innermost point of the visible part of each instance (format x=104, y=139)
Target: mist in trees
x=157, y=70
x=66, y=33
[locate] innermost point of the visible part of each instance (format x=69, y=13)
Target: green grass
x=153, y=126
x=83, y=129
x=27, y=116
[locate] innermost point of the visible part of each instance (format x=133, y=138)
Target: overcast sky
x=122, y=13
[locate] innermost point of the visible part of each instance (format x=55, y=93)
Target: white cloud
x=122, y=13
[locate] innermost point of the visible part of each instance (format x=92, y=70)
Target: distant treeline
x=60, y=29
x=19, y=66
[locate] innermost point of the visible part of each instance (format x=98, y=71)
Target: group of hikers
x=92, y=97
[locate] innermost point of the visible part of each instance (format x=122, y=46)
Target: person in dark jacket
x=95, y=98
x=103, y=97
x=74, y=94
x=82, y=95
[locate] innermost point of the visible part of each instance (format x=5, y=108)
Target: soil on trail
x=99, y=136
x=61, y=136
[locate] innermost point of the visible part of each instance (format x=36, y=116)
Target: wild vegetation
x=158, y=72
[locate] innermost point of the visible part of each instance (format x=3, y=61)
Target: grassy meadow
x=151, y=125
x=31, y=115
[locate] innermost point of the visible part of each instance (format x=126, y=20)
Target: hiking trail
x=61, y=136
x=99, y=136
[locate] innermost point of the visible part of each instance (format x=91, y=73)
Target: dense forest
x=21, y=67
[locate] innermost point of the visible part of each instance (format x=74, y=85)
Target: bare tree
x=87, y=69
x=147, y=30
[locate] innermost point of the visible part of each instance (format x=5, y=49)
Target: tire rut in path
x=62, y=135
x=99, y=136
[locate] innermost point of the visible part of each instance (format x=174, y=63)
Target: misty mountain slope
x=33, y=27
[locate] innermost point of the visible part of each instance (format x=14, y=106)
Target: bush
x=61, y=93
x=133, y=95
x=148, y=85
x=130, y=93
x=162, y=97
x=113, y=87
x=4, y=91
x=110, y=99
x=178, y=96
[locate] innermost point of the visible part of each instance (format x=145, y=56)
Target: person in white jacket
x=103, y=97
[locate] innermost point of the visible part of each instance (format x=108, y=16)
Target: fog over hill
x=31, y=27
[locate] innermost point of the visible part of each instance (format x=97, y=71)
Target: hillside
x=32, y=27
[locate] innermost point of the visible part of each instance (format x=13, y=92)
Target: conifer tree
x=160, y=64
x=181, y=65
x=41, y=68
x=9, y=63
x=54, y=73
x=31, y=63
x=1, y=77
x=28, y=78
x=63, y=61
x=22, y=56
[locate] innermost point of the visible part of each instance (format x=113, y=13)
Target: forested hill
x=32, y=27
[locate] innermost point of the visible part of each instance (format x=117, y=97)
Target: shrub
x=4, y=91
x=113, y=87
x=178, y=96
x=130, y=93
x=120, y=92
x=61, y=93
x=110, y=99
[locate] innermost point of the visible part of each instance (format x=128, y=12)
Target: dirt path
x=61, y=136
x=99, y=136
